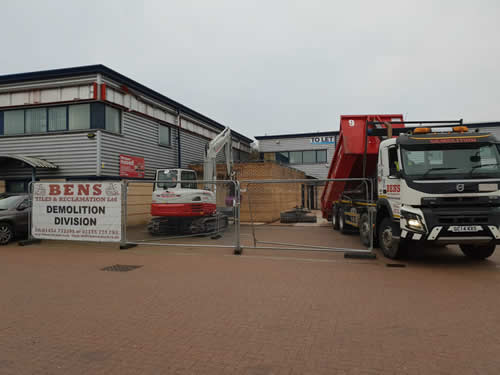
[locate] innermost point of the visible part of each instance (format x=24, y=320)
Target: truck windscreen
x=451, y=161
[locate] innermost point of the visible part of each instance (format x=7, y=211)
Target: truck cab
x=440, y=187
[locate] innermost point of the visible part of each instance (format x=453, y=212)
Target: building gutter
x=99, y=150
x=179, y=140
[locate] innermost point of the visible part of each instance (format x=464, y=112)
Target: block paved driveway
x=206, y=311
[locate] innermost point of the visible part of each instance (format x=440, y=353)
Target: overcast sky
x=271, y=67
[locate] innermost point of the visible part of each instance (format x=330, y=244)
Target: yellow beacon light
x=421, y=130
x=460, y=129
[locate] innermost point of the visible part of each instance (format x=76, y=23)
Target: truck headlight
x=413, y=221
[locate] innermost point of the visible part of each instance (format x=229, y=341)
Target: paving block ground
x=206, y=311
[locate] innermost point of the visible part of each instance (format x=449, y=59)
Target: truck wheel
x=335, y=219
x=478, y=252
x=6, y=233
x=392, y=247
x=343, y=227
x=364, y=229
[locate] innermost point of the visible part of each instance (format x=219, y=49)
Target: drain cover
x=395, y=265
x=120, y=268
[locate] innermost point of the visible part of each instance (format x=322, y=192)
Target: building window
x=295, y=157
x=16, y=186
x=112, y=119
x=164, y=135
x=301, y=157
x=283, y=157
x=309, y=157
x=61, y=118
x=320, y=156
x=79, y=117
x=13, y=122
x=57, y=119
x=35, y=120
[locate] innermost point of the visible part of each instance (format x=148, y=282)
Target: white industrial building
x=308, y=152
x=91, y=122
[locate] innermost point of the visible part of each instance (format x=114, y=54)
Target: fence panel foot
x=29, y=242
x=355, y=255
x=127, y=246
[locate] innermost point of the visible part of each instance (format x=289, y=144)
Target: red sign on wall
x=131, y=166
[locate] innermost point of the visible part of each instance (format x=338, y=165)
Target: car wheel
x=6, y=233
x=478, y=252
x=388, y=238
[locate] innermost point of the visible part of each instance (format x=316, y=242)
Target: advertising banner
x=131, y=166
x=79, y=211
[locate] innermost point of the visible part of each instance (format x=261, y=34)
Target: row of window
x=302, y=157
x=68, y=117
x=60, y=118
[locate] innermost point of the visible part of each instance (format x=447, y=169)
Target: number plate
x=465, y=228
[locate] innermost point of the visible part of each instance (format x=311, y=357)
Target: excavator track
x=182, y=226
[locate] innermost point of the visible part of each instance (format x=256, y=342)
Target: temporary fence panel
x=182, y=213
x=269, y=206
x=123, y=212
x=77, y=211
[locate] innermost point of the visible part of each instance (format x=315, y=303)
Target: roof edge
x=102, y=69
x=297, y=135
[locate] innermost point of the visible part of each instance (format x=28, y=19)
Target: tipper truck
x=423, y=185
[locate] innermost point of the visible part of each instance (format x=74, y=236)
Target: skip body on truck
x=180, y=206
x=427, y=185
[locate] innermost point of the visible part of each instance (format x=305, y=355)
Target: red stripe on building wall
x=94, y=88
x=103, y=91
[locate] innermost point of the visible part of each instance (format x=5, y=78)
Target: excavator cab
x=171, y=178
x=180, y=206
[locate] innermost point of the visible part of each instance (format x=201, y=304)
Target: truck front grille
x=462, y=219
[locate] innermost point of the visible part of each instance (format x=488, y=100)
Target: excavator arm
x=214, y=147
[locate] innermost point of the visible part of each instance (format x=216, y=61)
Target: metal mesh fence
x=286, y=215
x=192, y=213
x=280, y=214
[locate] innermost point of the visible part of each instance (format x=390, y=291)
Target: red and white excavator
x=179, y=206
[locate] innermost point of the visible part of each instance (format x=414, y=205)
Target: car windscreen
x=9, y=202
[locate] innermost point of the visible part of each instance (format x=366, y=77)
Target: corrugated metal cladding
x=301, y=144
x=192, y=149
x=139, y=138
x=292, y=144
x=319, y=171
x=74, y=153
